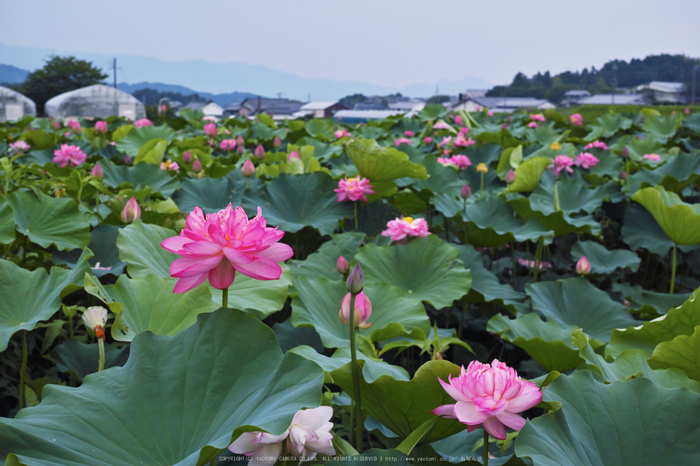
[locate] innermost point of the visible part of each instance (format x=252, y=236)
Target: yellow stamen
x=555, y=146
x=482, y=168
x=408, y=219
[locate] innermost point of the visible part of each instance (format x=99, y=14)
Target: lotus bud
x=131, y=211
x=458, y=120
x=428, y=140
x=583, y=267
x=260, y=152
x=504, y=126
x=625, y=152
x=510, y=176
x=101, y=127
x=240, y=141
x=248, y=168
x=293, y=155
x=210, y=130
x=95, y=318
x=240, y=149
x=686, y=111
x=127, y=160
x=363, y=310
x=187, y=157
x=343, y=265
x=356, y=280
x=466, y=192
x=408, y=134
x=97, y=171
x=277, y=142
x=197, y=166
x=623, y=175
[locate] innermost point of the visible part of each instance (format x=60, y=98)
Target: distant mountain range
x=218, y=78
x=11, y=74
x=221, y=99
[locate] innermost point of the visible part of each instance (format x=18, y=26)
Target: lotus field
x=450, y=287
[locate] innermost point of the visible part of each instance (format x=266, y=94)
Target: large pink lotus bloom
x=215, y=245
x=561, y=162
x=532, y=124
x=263, y=449
x=342, y=133
x=537, y=117
x=228, y=144
x=400, y=141
x=461, y=161
x=596, y=145
x=74, y=125
x=652, y=157
x=20, y=146
x=408, y=134
x=461, y=141
x=403, y=227
x=491, y=395
x=354, y=189
x=363, y=310
x=143, y=122
x=72, y=155
x=310, y=433
x=586, y=160
x=576, y=119
x=210, y=130
x=441, y=125
x=101, y=127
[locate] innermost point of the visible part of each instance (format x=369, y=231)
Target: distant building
x=320, y=109
x=95, y=101
x=232, y=109
x=572, y=98
x=619, y=99
x=14, y=105
x=281, y=108
x=475, y=93
x=664, y=92
x=500, y=104
x=362, y=116
x=407, y=105
x=210, y=109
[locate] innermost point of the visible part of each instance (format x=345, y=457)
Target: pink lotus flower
x=460, y=141
x=101, y=127
x=363, y=310
x=228, y=144
x=248, y=169
x=56, y=125
x=400, y=141
x=586, y=160
x=131, y=211
x=441, y=125
x=216, y=245
x=504, y=126
x=97, y=171
x=408, y=134
x=446, y=161
x=294, y=155
x=163, y=108
x=74, y=126
x=240, y=141
x=69, y=154
x=531, y=264
x=479, y=108
x=264, y=449
x=428, y=140
x=20, y=146
x=210, y=130
x=342, y=133
x=491, y=395
x=623, y=175
x=652, y=157
x=197, y=165
x=458, y=120
x=596, y=144
x=66, y=134
x=465, y=192
x=489, y=113
x=403, y=227
x=583, y=267
x=142, y=122
x=445, y=141
x=169, y=166
x=354, y=189
x=259, y=152
x=537, y=117
x=461, y=161
x=561, y=162
x=532, y=124
x=576, y=119
x=686, y=111
x=464, y=130
x=187, y=157
x=342, y=265
x=127, y=159
x=276, y=142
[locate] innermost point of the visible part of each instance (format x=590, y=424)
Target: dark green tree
x=59, y=75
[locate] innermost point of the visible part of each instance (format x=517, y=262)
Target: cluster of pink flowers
x=576, y=119
x=491, y=395
x=72, y=155
x=460, y=141
x=363, y=310
x=228, y=144
x=652, y=157
x=354, y=189
x=215, y=246
x=458, y=161
x=20, y=146
x=309, y=434
x=537, y=117
x=74, y=126
x=400, y=141
x=561, y=162
x=342, y=133
x=596, y=145
x=101, y=127
x=210, y=130
x=143, y=122
x=586, y=160
x=531, y=264
x=403, y=227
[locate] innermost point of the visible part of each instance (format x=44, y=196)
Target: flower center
x=408, y=219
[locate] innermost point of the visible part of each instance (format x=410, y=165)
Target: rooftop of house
x=317, y=105
x=620, y=99
x=662, y=86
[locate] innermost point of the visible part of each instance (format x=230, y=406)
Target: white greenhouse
x=14, y=105
x=95, y=101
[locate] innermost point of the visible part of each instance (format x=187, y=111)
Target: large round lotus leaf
x=137, y=137
x=624, y=423
x=442, y=179
x=322, y=263
x=317, y=304
x=602, y=260
x=528, y=174
x=425, y=269
x=574, y=301
x=678, y=321
x=320, y=128
x=491, y=222
x=682, y=352
x=295, y=201
x=676, y=175
x=81, y=359
x=661, y=127
x=7, y=222
x=263, y=297
x=178, y=401
x=402, y=406
x=609, y=164
x=103, y=244
x=558, y=221
x=680, y=221
x=692, y=122
x=140, y=177
x=649, y=303
x=640, y=230
x=213, y=194
x=29, y=297
x=461, y=448
x=41, y=140
x=290, y=336
x=608, y=125
x=49, y=220
x=382, y=163
x=574, y=197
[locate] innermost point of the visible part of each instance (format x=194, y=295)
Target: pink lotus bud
x=510, y=176
x=240, y=141
x=260, y=152
x=56, y=125
x=489, y=113
x=625, y=152
x=343, y=265
x=187, y=157
x=227, y=131
x=248, y=169
x=458, y=120
x=292, y=155
x=131, y=211
x=277, y=142
x=583, y=267
x=197, y=166
x=163, y=108
x=504, y=126
x=127, y=160
x=210, y=130
x=408, y=134
x=239, y=148
x=673, y=112
x=363, y=310
x=623, y=175
x=101, y=127
x=428, y=140
x=465, y=193
x=356, y=280
x=97, y=171
x=686, y=111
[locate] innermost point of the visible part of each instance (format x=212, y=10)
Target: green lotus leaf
x=560, y=222
x=49, y=220
x=40, y=139
x=544, y=134
x=402, y=406
x=213, y=194
x=466, y=448
x=29, y=297
x=681, y=320
x=574, y=197
x=322, y=263
x=692, y=122
x=683, y=352
x=382, y=163
x=143, y=177
x=137, y=137
x=602, y=260
x=528, y=174
x=676, y=175
x=290, y=336
x=609, y=164
x=649, y=304
x=7, y=222
x=295, y=201
x=80, y=359
x=442, y=179
x=660, y=127
x=603, y=424
x=431, y=112
x=250, y=386
x=608, y=125
x=317, y=304
x=574, y=301
x=511, y=158
x=640, y=230
x=152, y=152
x=548, y=343
x=409, y=203
x=426, y=269
x=322, y=129
x=680, y=221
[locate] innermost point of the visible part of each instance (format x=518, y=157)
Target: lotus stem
x=101, y=344
x=356, y=227
x=512, y=253
x=538, y=256
x=486, y=448
x=224, y=297
x=357, y=402
x=481, y=190
x=23, y=370
x=673, y=269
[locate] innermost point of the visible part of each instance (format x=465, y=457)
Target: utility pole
x=114, y=68
x=692, y=99
x=613, y=81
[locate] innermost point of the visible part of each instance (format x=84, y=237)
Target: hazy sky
x=387, y=42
